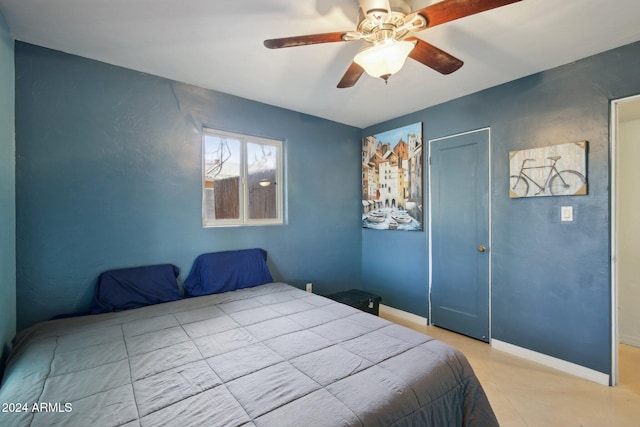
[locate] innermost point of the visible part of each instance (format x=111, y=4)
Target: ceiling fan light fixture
x=384, y=59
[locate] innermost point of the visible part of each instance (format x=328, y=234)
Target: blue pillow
x=219, y=272
x=135, y=287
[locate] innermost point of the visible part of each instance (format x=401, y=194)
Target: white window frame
x=244, y=219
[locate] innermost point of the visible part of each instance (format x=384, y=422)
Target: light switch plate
x=566, y=213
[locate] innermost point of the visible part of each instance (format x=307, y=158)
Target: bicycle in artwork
x=554, y=170
x=557, y=182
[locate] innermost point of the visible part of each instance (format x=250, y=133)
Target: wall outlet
x=309, y=287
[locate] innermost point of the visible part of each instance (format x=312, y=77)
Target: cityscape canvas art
x=392, y=179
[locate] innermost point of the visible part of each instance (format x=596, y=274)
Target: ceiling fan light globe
x=384, y=59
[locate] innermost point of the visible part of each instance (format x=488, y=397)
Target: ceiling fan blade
x=433, y=57
x=305, y=40
x=351, y=77
x=450, y=10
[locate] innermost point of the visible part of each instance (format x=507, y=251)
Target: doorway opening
x=625, y=238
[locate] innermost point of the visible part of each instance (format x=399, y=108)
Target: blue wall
x=551, y=280
x=7, y=194
x=109, y=175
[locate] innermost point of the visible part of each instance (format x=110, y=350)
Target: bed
x=266, y=355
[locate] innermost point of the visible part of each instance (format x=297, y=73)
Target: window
x=242, y=180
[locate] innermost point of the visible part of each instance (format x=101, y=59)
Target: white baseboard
x=552, y=362
x=630, y=340
x=409, y=317
x=543, y=359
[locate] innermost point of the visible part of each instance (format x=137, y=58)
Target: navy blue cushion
x=135, y=287
x=218, y=272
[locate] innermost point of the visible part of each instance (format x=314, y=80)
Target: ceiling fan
x=387, y=26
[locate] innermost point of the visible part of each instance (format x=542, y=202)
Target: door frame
x=429, y=220
x=613, y=160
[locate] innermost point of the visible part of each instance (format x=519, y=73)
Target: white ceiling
x=217, y=44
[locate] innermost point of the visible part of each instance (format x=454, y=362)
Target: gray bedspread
x=272, y=355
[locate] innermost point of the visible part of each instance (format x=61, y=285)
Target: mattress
x=271, y=355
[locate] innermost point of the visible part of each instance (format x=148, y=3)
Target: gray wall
x=551, y=280
x=7, y=194
x=109, y=175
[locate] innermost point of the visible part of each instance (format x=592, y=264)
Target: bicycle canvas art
x=555, y=170
x=392, y=176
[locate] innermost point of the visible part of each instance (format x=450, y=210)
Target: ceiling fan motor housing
x=376, y=24
x=399, y=6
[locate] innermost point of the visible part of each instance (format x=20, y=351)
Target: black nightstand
x=361, y=300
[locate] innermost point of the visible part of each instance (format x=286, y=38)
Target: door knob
x=482, y=248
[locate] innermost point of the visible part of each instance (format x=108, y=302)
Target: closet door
x=460, y=252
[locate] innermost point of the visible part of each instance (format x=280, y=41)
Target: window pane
x=241, y=177
x=221, y=178
x=262, y=165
